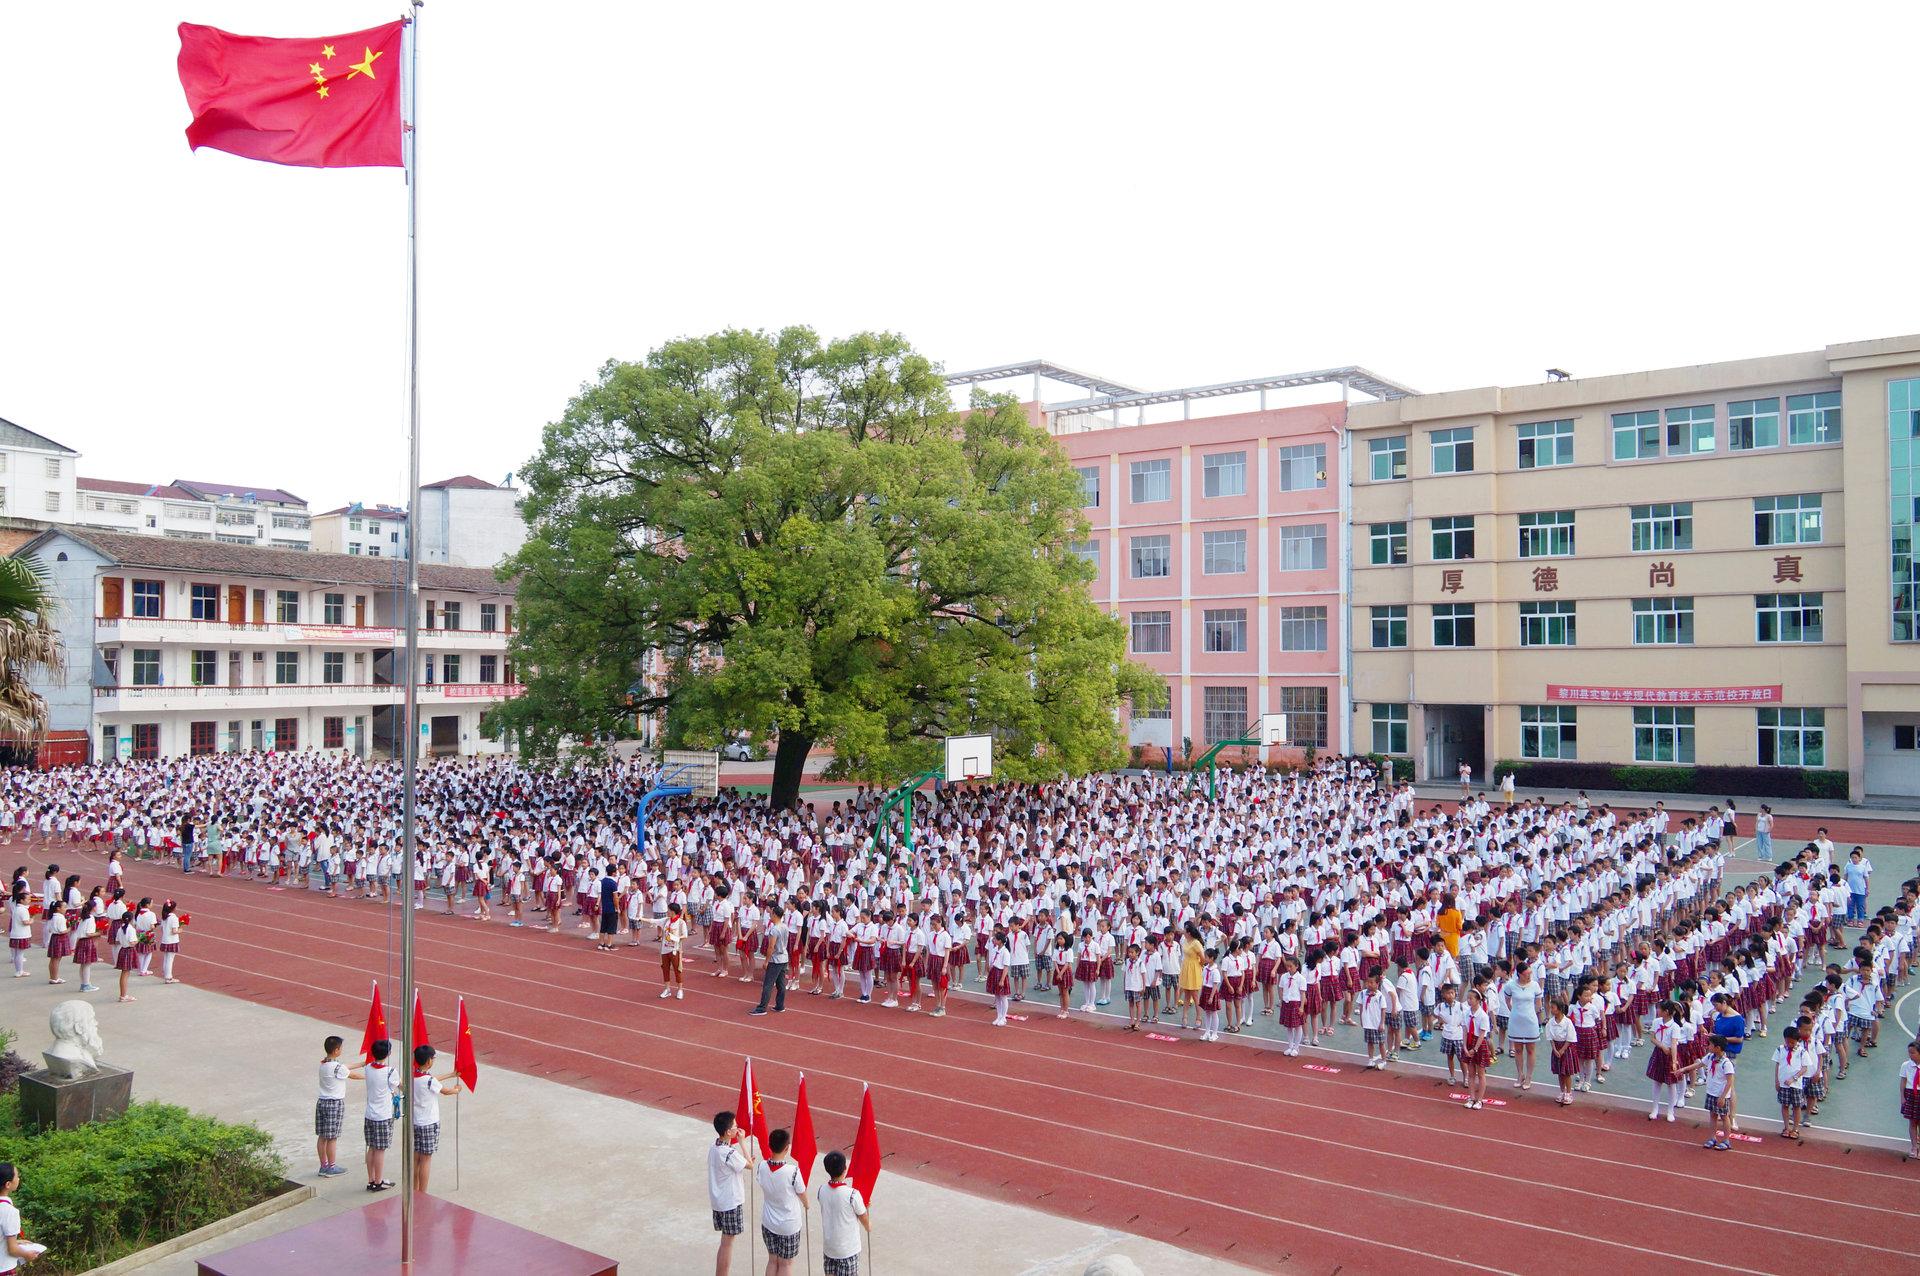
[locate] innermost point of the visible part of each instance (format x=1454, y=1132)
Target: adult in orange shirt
x=1449, y=922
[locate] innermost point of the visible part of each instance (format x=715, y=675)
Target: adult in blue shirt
x=1729, y=1023
x=1858, y=872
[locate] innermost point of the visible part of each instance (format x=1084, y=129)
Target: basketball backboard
x=699, y=770
x=1273, y=729
x=969, y=757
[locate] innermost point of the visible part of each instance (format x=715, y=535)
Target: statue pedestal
x=51, y=1102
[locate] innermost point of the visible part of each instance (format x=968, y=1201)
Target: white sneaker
x=665, y=993
x=679, y=994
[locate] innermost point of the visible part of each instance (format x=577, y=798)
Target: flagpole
x=411, y=602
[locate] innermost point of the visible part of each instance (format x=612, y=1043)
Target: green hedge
x=100, y=1192
x=1718, y=782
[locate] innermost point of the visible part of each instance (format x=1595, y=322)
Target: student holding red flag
x=376, y=1024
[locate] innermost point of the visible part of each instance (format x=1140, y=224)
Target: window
x=1547, y=731
x=1788, y=617
x=1303, y=548
x=1546, y=535
x=489, y=669
x=490, y=612
x=1753, y=423
x=1389, y=626
x=354, y=548
x=1787, y=520
x=286, y=607
x=286, y=668
x=1152, y=633
x=1636, y=436
x=1164, y=712
x=1223, y=629
x=203, y=667
x=257, y=735
x=1303, y=467
x=1813, y=418
x=147, y=599
x=1089, y=485
x=1389, y=728
x=450, y=615
x=1223, y=553
x=1151, y=557
x=1544, y=443
x=429, y=613
x=1661, y=527
x=146, y=741
x=1453, y=624
x=1663, y=622
x=1306, y=710
x=1663, y=733
x=333, y=609
x=1387, y=458
x=1224, y=712
x=286, y=735
x=233, y=737
x=1452, y=450
x=450, y=668
x=1453, y=538
x=1690, y=431
x=373, y=551
x=353, y=524
x=1152, y=480
x=1793, y=737
x=1903, y=466
x=53, y=467
x=1547, y=624
x=1087, y=552
x=110, y=656
x=333, y=667
x=333, y=733
x=1906, y=737
x=1387, y=543
x=1303, y=629
x=146, y=666
x=204, y=602
x=200, y=738
x=1224, y=474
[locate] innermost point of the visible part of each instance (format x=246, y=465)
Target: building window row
x=1303, y=547
x=1224, y=630
x=1657, y=622
x=1303, y=467
x=1661, y=733
x=1652, y=528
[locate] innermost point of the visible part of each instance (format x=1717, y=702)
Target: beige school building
x=1708, y=565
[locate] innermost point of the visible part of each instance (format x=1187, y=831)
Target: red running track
x=1225, y=1150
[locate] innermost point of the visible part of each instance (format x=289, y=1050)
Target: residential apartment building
x=1219, y=542
x=469, y=522
x=371, y=531
x=194, y=511
x=1708, y=565
x=188, y=646
x=36, y=475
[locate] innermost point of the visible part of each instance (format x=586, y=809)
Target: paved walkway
x=612, y=1176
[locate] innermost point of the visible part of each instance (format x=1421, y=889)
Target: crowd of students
x=1567, y=936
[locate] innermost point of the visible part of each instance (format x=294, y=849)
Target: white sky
x=1167, y=194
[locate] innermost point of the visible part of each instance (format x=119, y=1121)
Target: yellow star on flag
x=364, y=65
x=326, y=50
x=322, y=90
x=314, y=69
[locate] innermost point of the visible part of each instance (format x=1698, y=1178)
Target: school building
x=1707, y=565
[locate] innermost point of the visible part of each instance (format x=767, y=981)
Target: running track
x=1221, y=1149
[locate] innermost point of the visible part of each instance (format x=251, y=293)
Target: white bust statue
x=76, y=1041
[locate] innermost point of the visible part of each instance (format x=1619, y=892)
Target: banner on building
x=1557, y=692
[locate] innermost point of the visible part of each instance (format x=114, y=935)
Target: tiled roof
x=218, y=557
x=464, y=480
x=229, y=490
x=120, y=487
x=375, y=511
x=12, y=435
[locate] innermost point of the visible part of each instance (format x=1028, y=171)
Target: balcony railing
x=345, y=690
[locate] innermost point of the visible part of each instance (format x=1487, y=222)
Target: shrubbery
x=102, y=1191
x=1717, y=782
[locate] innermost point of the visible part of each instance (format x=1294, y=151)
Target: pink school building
x=1219, y=541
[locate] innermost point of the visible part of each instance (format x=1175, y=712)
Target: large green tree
x=803, y=539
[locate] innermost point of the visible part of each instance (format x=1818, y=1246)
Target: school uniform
x=840, y=1211
x=427, y=1090
x=376, y=1123
x=726, y=1162
x=781, y=1212
x=329, y=1109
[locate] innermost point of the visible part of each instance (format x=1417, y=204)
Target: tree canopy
x=805, y=541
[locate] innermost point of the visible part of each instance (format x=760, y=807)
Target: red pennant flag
x=866, y=1150
x=804, y=1147
x=419, y=1022
x=325, y=102
x=376, y=1024
x=464, y=1064
x=750, y=1113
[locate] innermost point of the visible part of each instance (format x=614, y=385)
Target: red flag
x=376, y=1024
x=419, y=1022
x=866, y=1150
x=804, y=1147
x=325, y=102
x=465, y=1066
x=750, y=1113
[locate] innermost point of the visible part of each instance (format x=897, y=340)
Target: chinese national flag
x=376, y=1024
x=750, y=1114
x=419, y=1022
x=805, y=1149
x=865, y=1167
x=465, y=1066
x=326, y=102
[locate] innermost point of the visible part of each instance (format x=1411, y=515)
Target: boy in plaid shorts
x=727, y=1160
x=329, y=1110
x=427, y=1090
x=783, y=1205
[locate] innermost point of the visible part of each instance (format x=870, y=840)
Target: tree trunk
x=789, y=767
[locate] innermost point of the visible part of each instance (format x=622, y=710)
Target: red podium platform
x=448, y=1240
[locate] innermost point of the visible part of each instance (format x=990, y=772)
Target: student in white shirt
x=17, y=1251
x=727, y=1162
x=843, y=1216
x=427, y=1090
x=783, y=1205
x=376, y=1123
x=329, y=1109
